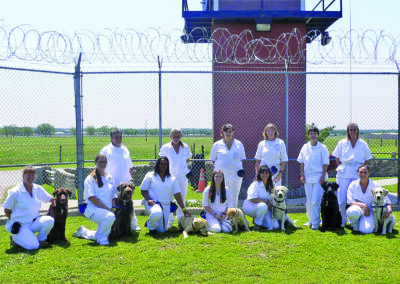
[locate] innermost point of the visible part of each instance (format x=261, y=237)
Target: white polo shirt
x=106, y=193
x=272, y=153
x=257, y=190
x=177, y=161
x=351, y=158
x=313, y=158
x=229, y=161
x=118, y=162
x=217, y=206
x=354, y=193
x=25, y=207
x=161, y=191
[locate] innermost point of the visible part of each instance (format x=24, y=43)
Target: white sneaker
x=307, y=224
x=78, y=233
x=136, y=228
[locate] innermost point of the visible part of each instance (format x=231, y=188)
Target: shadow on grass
x=125, y=239
x=16, y=249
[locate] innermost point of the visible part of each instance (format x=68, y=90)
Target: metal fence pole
x=79, y=128
x=287, y=117
x=159, y=104
x=398, y=127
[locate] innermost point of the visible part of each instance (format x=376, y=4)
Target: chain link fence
x=44, y=102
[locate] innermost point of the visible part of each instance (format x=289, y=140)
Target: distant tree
x=105, y=130
x=10, y=130
x=153, y=131
x=90, y=130
x=45, y=129
x=73, y=131
x=131, y=131
x=323, y=132
x=26, y=131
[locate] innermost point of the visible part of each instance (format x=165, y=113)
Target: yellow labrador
x=379, y=207
x=279, y=207
x=237, y=218
x=193, y=224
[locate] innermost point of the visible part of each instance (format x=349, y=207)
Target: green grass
x=32, y=150
x=302, y=256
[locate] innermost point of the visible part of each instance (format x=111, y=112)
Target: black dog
x=60, y=213
x=124, y=211
x=331, y=218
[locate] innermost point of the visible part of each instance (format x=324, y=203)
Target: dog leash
x=278, y=202
x=380, y=206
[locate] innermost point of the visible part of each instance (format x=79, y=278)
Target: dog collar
x=279, y=201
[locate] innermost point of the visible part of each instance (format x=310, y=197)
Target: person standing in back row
x=119, y=164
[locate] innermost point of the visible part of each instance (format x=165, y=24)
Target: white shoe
x=307, y=224
x=316, y=227
x=78, y=233
x=136, y=228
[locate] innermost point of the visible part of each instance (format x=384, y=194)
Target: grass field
x=32, y=150
x=294, y=256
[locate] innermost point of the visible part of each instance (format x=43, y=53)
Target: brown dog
x=124, y=211
x=193, y=224
x=60, y=213
x=237, y=218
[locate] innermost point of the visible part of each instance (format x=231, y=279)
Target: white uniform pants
x=260, y=213
x=234, y=183
x=366, y=224
x=104, y=220
x=134, y=222
x=26, y=237
x=216, y=226
x=158, y=218
x=342, y=196
x=183, y=186
x=314, y=194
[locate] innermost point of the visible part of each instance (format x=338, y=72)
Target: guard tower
x=250, y=101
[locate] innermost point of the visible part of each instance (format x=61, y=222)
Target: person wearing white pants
x=217, y=198
x=272, y=152
x=360, y=199
x=22, y=209
x=314, y=161
x=100, y=194
x=178, y=154
x=350, y=154
x=227, y=155
x=119, y=165
x=258, y=203
x=158, y=188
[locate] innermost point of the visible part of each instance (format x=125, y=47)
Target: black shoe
x=153, y=232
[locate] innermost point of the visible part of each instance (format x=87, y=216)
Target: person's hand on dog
x=387, y=213
x=220, y=216
x=366, y=211
x=268, y=203
x=150, y=202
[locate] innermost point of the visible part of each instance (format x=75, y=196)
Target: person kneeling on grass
x=22, y=208
x=360, y=199
x=158, y=188
x=216, y=200
x=101, y=195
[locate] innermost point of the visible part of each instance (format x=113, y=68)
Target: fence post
x=287, y=62
x=159, y=103
x=398, y=127
x=79, y=128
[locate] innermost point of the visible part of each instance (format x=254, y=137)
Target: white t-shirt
x=106, y=193
x=177, y=161
x=313, y=158
x=272, y=153
x=354, y=193
x=257, y=190
x=118, y=163
x=229, y=161
x=217, y=206
x=160, y=191
x=25, y=207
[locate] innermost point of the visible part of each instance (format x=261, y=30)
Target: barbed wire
x=26, y=43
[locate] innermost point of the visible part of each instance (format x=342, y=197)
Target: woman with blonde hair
x=272, y=152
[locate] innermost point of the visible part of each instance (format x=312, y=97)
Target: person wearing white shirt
x=217, y=198
x=272, y=152
x=22, y=209
x=178, y=154
x=314, y=161
x=259, y=196
x=119, y=164
x=158, y=188
x=100, y=194
x=227, y=155
x=360, y=199
x=350, y=154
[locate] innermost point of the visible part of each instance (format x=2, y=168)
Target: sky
x=73, y=15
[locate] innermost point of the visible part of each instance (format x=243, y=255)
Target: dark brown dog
x=60, y=213
x=124, y=211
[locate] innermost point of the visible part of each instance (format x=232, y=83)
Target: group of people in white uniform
x=168, y=181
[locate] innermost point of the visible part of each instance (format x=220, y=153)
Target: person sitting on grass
x=216, y=200
x=22, y=209
x=158, y=188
